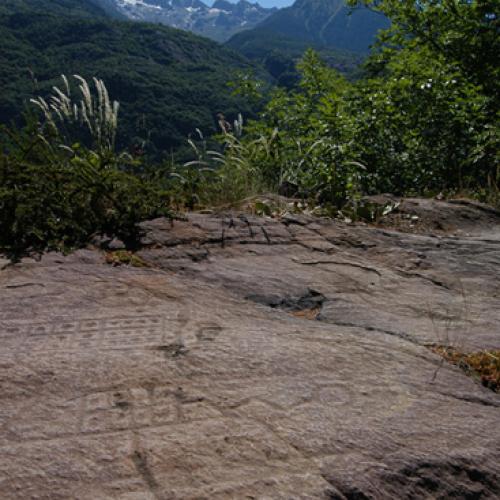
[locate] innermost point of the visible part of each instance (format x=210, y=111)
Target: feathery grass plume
x=98, y=114
x=85, y=91
x=66, y=85
x=42, y=104
x=238, y=126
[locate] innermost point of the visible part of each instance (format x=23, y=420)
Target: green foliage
x=435, y=95
x=460, y=32
x=424, y=118
x=423, y=127
x=56, y=196
x=303, y=138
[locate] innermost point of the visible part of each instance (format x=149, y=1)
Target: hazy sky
x=264, y=3
x=275, y=3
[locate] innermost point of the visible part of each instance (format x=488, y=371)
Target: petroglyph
x=125, y=332
x=169, y=382
x=111, y=411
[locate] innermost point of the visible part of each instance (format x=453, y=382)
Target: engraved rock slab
x=254, y=358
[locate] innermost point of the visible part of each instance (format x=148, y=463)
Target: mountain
x=168, y=81
x=84, y=8
x=329, y=23
x=279, y=54
x=219, y=22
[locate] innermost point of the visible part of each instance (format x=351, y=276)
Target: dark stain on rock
x=310, y=301
x=172, y=350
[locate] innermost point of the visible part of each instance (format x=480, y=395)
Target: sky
x=275, y=3
x=265, y=3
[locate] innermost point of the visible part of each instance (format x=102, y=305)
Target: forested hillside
x=168, y=81
x=62, y=7
x=279, y=54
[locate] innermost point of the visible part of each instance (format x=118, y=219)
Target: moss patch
x=124, y=257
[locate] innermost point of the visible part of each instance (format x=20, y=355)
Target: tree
x=452, y=49
x=463, y=32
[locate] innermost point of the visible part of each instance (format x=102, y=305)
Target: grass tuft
x=482, y=365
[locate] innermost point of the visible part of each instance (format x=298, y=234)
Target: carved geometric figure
x=89, y=334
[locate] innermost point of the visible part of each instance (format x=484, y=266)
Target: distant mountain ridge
x=219, y=22
x=330, y=23
x=82, y=8
x=340, y=34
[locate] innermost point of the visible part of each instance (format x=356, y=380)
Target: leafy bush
x=433, y=96
x=56, y=196
x=303, y=138
x=422, y=127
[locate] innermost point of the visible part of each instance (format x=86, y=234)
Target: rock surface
x=255, y=358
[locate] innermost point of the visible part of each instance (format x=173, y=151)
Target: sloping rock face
x=255, y=358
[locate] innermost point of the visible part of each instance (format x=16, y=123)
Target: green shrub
x=56, y=196
x=423, y=119
x=303, y=137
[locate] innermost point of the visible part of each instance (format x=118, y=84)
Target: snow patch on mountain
x=220, y=21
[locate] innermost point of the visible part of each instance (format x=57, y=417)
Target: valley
x=249, y=252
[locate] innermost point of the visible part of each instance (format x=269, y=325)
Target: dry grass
x=482, y=365
x=311, y=313
x=92, y=110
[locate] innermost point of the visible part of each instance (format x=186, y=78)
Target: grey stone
x=116, y=244
x=195, y=378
